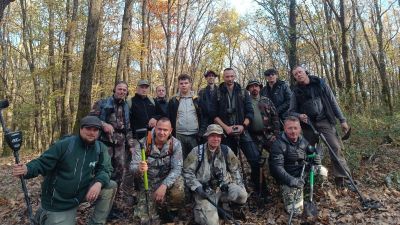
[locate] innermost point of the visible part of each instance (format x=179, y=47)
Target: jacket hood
x=284, y=138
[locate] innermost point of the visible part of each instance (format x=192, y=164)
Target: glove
x=317, y=160
x=297, y=183
x=224, y=188
x=200, y=191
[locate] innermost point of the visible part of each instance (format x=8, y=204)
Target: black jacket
x=141, y=111
x=173, y=106
x=206, y=103
x=316, y=100
x=162, y=104
x=280, y=95
x=243, y=109
x=286, y=158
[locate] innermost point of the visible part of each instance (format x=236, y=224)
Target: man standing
x=234, y=113
x=162, y=100
x=185, y=114
x=75, y=169
x=206, y=98
x=164, y=168
x=278, y=91
x=313, y=102
x=287, y=158
x=211, y=170
x=142, y=110
x=265, y=126
x=117, y=135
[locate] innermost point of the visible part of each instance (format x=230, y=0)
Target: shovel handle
x=145, y=179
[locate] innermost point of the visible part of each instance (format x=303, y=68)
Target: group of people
x=188, y=148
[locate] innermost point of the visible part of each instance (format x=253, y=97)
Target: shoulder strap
x=200, y=157
x=171, y=146
x=224, y=149
x=148, y=143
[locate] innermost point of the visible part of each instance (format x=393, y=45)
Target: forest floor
x=374, y=161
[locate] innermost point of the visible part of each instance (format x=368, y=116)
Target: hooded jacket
x=280, y=95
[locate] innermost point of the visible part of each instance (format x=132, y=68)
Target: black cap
x=209, y=72
x=91, y=121
x=251, y=82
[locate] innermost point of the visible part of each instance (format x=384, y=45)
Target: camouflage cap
x=143, y=82
x=252, y=82
x=91, y=121
x=214, y=129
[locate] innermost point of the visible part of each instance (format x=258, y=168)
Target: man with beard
x=264, y=128
x=76, y=169
x=114, y=114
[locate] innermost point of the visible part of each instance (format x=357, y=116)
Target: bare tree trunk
x=3, y=5
x=89, y=60
x=53, y=129
x=30, y=58
x=143, y=44
x=125, y=34
x=66, y=81
x=332, y=42
x=292, y=57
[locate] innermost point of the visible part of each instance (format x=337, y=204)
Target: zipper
x=83, y=163
x=76, y=166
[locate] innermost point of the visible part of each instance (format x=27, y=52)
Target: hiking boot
x=343, y=183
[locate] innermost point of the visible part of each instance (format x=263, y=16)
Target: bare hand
x=108, y=128
x=93, y=192
x=345, y=127
x=159, y=194
x=19, y=169
x=152, y=122
x=303, y=118
x=143, y=167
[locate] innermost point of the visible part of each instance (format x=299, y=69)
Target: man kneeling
x=164, y=169
x=75, y=169
x=288, y=156
x=212, y=171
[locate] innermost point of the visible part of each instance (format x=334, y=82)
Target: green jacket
x=70, y=167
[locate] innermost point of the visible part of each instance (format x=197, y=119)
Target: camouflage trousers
x=262, y=143
x=174, y=200
x=120, y=159
x=292, y=199
x=206, y=213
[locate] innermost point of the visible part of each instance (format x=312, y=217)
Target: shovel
x=310, y=209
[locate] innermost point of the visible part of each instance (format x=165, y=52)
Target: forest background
x=59, y=56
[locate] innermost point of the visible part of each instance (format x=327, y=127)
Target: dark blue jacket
x=280, y=95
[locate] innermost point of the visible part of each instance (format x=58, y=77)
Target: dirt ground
x=335, y=206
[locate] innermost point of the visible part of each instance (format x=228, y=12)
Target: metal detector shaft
x=241, y=161
x=337, y=159
x=227, y=215
x=145, y=181
x=15, y=144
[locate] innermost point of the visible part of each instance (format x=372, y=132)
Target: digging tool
x=145, y=178
x=222, y=211
x=365, y=203
x=310, y=209
x=296, y=196
x=14, y=140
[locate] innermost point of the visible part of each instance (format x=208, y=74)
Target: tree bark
x=66, y=80
x=125, y=34
x=89, y=61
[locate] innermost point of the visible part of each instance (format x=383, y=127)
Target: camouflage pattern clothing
x=164, y=167
x=117, y=114
x=215, y=171
x=292, y=199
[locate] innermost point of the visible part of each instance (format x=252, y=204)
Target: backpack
x=200, y=155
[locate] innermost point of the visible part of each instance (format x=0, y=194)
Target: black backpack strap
x=200, y=157
x=224, y=149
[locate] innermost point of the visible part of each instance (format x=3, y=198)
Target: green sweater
x=69, y=174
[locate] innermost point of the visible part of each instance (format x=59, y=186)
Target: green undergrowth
x=369, y=132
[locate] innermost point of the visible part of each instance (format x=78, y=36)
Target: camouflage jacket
x=164, y=166
x=270, y=116
x=230, y=170
x=116, y=114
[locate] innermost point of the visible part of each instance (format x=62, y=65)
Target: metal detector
x=365, y=203
x=14, y=140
